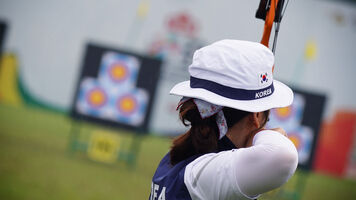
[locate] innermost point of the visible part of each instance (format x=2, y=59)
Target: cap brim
x=281, y=97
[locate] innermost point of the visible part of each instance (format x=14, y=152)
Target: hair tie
x=207, y=110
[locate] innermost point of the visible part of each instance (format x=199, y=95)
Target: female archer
x=227, y=153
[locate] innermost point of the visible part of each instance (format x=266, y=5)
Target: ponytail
x=201, y=138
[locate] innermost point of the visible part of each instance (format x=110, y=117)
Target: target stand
x=116, y=88
x=104, y=145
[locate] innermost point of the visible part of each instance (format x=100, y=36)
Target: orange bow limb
x=269, y=23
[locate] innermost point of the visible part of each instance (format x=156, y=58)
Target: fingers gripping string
x=207, y=110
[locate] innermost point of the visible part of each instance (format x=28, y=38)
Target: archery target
x=131, y=107
x=113, y=96
x=92, y=97
x=283, y=113
x=297, y=141
x=302, y=138
x=119, y=71
x=96, y=97
x=290, y=117
x=116, y=88
x=127, y=104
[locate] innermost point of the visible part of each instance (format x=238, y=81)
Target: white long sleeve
x=243, y=173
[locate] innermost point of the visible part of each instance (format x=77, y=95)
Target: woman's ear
x=257, y=119
x=254, y=119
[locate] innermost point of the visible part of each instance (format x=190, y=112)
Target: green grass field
x=36, y=163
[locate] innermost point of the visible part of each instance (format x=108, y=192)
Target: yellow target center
x=283, y=112
x=118, y=72
x=295, y=141
x=127, y=104
x=97, y=97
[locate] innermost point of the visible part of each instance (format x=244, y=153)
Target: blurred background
x=84, y=106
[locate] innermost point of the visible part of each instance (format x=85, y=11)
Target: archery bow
x=271, y=11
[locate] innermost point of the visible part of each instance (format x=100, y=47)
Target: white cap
x=236, y=74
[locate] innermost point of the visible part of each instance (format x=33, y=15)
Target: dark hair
x=203, y=135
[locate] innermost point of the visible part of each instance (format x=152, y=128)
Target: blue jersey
x=168, y=180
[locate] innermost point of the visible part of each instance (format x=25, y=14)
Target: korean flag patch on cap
x=263, y=78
